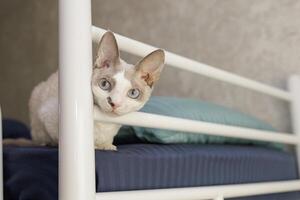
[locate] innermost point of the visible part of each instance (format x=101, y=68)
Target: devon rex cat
x=118, y=88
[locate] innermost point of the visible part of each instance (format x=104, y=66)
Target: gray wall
x=259, y=39
x=28, y=51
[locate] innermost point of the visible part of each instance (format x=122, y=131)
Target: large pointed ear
x=108, y=52
x=150, y=67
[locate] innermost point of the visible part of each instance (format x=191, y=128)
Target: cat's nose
x=111, y=103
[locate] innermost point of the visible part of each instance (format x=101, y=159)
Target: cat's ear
x=150, y=67
x=108, y=52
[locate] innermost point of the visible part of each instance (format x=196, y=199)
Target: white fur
x=43, y=109
x=104, y=141
x=122, y=86
x=43, y=106
x=43, y=103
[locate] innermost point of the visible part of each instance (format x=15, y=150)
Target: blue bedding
x=31, y=173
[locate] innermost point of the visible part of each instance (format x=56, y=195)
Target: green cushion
x=201, y=111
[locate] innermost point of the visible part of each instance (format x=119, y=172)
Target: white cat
x=118, y=88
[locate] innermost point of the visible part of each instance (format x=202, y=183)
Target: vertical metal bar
x=219, y=197
x=76, y=146
x=294, y=87
x=1, y=159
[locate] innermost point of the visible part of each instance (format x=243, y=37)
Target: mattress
x=32, y=172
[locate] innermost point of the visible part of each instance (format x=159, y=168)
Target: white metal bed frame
x=76, y=152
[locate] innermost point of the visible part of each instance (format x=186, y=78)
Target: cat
x=117, y=87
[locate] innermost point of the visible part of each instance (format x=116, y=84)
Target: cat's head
x=118, y=87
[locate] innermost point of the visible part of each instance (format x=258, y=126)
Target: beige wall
x=259, y=39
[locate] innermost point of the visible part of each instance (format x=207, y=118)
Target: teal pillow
x=201, y=111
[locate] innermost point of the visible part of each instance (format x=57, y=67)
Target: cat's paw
x=107, y=147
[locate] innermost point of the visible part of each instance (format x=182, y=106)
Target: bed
x=149, y=171
x=32, y=172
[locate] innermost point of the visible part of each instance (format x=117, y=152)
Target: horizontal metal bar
x=142, y=49
x=179, y=124
x=205, y=192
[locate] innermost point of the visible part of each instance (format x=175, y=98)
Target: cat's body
x=43, y=111
x=118, y=88
x=43, y=108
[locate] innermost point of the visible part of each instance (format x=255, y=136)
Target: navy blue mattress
x=31, y=173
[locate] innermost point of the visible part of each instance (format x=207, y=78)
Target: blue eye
x=134, y=93
x=104, y=84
